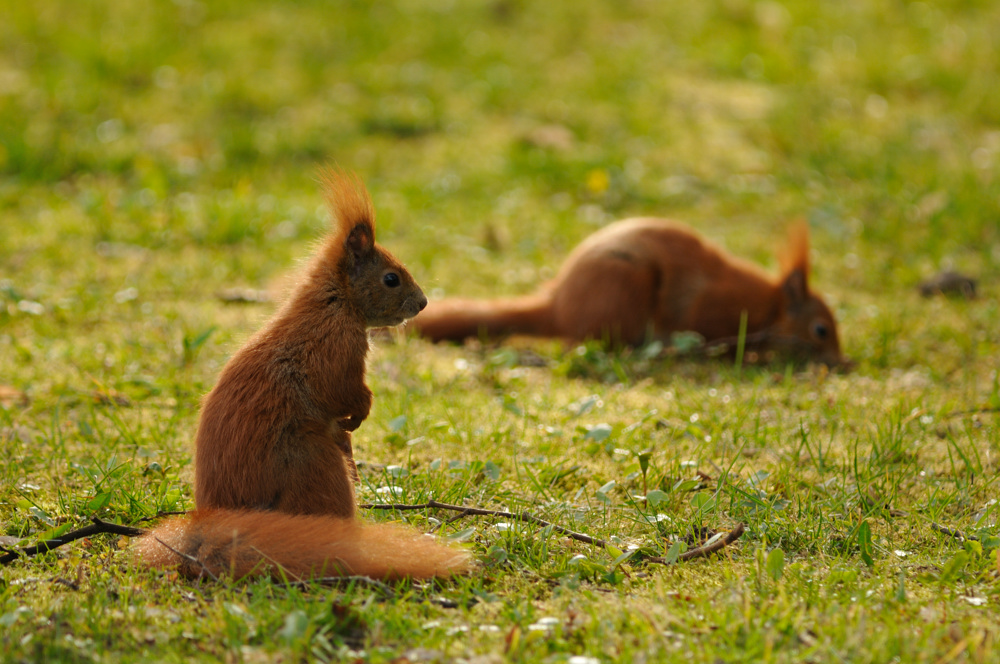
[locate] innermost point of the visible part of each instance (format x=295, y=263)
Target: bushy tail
x=240, y=544
x=455, y=319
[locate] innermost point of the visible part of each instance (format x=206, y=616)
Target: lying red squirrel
x=274, y=471
x=643, y=279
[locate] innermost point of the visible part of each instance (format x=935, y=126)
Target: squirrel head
x=806, y=323
x=357, y=268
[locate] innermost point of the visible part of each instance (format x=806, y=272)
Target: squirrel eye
x=820, y=330
x=391, y=279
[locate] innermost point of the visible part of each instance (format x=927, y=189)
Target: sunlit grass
x=154, y=154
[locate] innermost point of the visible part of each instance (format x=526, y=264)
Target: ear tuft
x=349, y=202
x=796, y=253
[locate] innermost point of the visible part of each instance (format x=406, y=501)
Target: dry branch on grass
x=191, y=559
x=957, y=534
x=98, y=526
x=466, y=511
x=973, y=411
x=707, y=549
x=699, y=552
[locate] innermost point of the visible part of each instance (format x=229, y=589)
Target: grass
x=155, y=153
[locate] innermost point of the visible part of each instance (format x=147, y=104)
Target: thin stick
x=524, y=516
x=129, y=531
x=457, y=517
x=384, y=588
x=973, y=411
x=708, y=550
x=701, y=551
x=190, y=559
x=957, y=534
x=161, y=514
x=47, y=545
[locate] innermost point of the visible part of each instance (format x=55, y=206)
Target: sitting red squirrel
x=274, y=472
x=642, y=279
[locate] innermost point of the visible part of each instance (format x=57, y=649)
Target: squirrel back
x=274, y=435
x=645, y=278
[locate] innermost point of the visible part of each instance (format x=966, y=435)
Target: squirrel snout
x=421, y=302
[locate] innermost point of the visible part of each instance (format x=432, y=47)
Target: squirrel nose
x=422, y=302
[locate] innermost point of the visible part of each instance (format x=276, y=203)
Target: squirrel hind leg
x=611, y=298
x=320, y=482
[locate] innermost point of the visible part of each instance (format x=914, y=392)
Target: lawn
x=155, y=155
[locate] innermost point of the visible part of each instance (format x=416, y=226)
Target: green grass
x=155, y=153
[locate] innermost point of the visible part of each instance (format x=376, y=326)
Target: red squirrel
x=642, y=279
x=274, y=470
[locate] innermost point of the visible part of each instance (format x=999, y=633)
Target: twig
x=707, y=550
x=973, y=411
x=384, y=588
x=757, y=341
x=69, y=583
x=190, y=559
x=957, y=534
x=397, y=506
x=47, y=545
x=457, y=517
x=730, y=537
x=159, y=515
x=129, y=531
x=524, y=516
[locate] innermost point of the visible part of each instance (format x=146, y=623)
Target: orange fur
x=274, y=437
x=796, y=253
x=642, y=279
x=243, y=544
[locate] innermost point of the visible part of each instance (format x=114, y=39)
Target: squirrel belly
x=274, y=466
x=642, y=279
x=243, y=544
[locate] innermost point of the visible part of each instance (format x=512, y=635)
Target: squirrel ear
x=795, y=288
x=351, y=210
x=796, y=253
x=795, y=265
x=360, y=242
